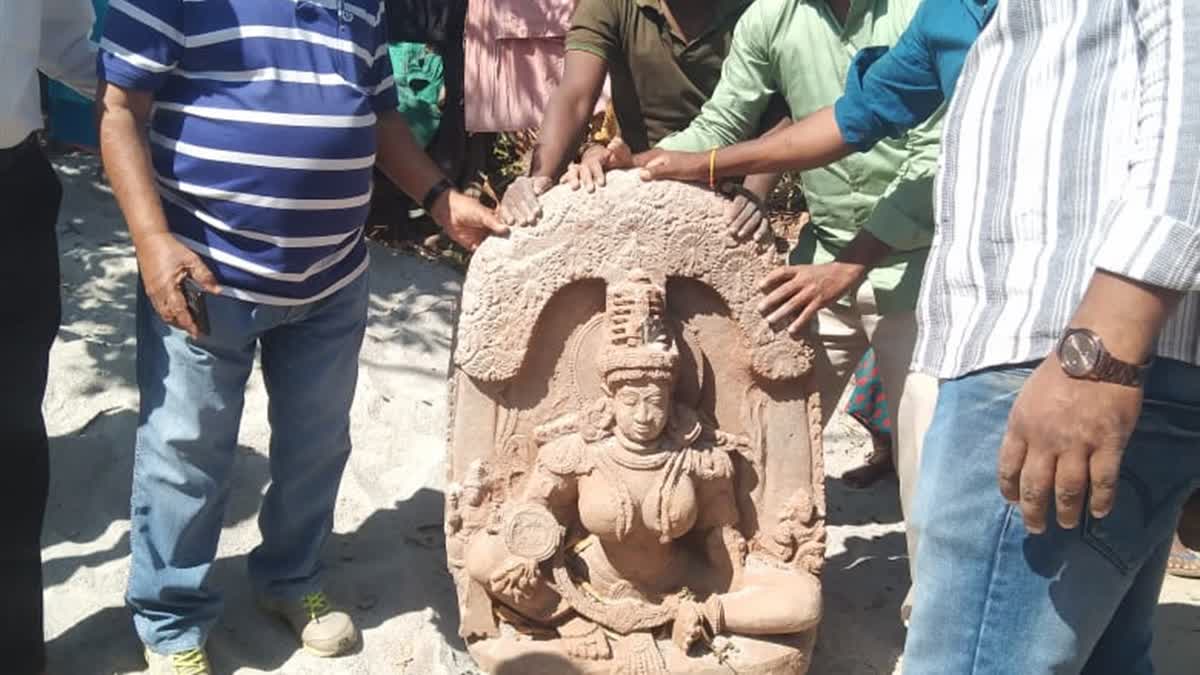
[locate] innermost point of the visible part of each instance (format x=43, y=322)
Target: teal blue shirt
x=889, y=91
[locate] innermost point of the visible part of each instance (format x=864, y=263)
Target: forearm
x=761, y=184
x=126, y=156
x=806, y=144
x=1127, y=314
x=864, y=253
x=562, y=132
x=402, y=160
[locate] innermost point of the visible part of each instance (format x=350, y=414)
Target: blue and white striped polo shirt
x=263, y=133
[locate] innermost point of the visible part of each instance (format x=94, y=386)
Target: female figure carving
x=626, y=528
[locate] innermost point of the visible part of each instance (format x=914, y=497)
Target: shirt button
x=346, y=15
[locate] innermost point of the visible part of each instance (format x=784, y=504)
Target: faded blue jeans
x=995, y=600
x=192, y=392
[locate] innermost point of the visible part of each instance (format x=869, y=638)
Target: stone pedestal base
x=783, y=655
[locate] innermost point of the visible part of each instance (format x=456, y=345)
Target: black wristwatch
x=1082, y=356
x=435, y=193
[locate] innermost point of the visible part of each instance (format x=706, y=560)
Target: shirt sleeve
x=748, y=83
x=889, y=91
x=1153, y=225
x=595, y=29
x=903, y=216
x=142, y=43
x=67, y=53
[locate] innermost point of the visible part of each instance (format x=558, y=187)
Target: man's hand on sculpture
x=691, y=167
x=746, y=216
x=1064, y=436
x=794, y=294
x=515, y=578
x=163, y=263
x=466, y=220
x=589, y=172
x=520, y=206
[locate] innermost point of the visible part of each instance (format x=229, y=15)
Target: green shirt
x=659, y=81
x=799, y=49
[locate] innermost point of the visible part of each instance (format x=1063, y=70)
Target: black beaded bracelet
x=434, y=193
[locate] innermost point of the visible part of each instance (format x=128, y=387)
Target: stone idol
x=636, y=473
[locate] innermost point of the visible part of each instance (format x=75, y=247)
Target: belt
x=9, y=156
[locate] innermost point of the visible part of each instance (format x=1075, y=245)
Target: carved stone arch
x=660, y=225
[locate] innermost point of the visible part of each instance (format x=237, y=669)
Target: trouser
x=29, y=316
x=192, y=392
x=846, y=334
x=995, y=600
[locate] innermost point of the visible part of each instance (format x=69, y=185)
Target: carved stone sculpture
x=636, y=479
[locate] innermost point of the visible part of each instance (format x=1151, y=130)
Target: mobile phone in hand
x=194, y=296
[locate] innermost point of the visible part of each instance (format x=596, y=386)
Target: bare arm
x=807, y=144
x=405, y=163
x=162, y=260
x=124, y=118
x=565, y=121
x=567, y=114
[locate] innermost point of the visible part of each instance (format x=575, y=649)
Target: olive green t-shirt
x=659, y=81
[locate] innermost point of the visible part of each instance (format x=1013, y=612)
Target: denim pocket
x=1127, y=535
x=1160, y=469
x=1144, y=514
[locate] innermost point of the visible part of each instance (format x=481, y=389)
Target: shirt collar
x=724, y=8
x=982, y=10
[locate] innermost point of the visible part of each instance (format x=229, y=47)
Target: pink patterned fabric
x=514, y=60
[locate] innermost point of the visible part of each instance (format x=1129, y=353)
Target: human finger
x=1104, y=472
x=587, y=174
x=655, y=168
x=203, y=276
x=523, y=209
x=801, y=296
x=764, y=229
x=735, y=215
x=777, y=276
x=1010, y=462
x=571, y=177
x=1070, y=487
x=752, y=219
x=174, y=312
x=781, y=294
x=796, y=329
x=620, y=154
x=599, y=171
x=487, y=219
x=1037, y=488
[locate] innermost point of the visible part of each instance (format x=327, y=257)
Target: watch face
x=1079, y=354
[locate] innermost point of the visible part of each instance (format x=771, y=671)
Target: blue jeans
x=993, y=599
x=192, y=392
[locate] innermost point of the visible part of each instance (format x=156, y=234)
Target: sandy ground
x=386, y=560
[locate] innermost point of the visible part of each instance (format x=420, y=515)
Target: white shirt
x=1071, y=145
x=46, y=35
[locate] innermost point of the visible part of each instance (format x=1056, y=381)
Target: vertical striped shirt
x=1072, y=143
x=263, y=131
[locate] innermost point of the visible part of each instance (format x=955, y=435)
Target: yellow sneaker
x=187, y=662
x=322, y=630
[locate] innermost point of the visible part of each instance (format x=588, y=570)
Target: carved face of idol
x=641, y=407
